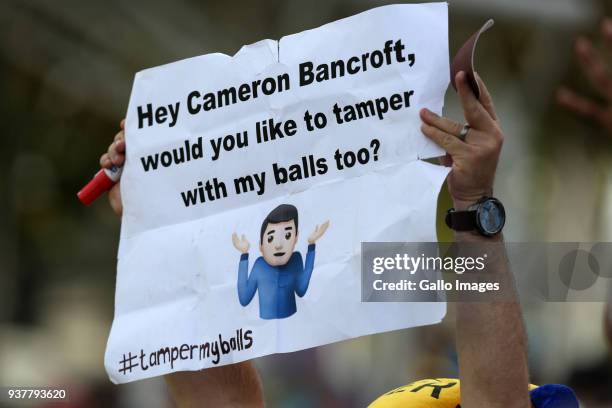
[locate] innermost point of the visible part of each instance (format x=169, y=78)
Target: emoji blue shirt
x=277, y=285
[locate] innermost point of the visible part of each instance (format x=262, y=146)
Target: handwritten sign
x=252, y=179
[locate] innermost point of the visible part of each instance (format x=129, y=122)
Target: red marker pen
x=103, y=181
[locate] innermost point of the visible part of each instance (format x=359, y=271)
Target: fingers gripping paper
x=251, y=181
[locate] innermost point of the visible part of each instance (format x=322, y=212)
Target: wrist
x=462, y=205
x=464, y=202
x=474, y=236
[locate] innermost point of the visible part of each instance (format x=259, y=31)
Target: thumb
x=485, y=97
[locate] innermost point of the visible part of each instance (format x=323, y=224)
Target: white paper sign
x=278, y=142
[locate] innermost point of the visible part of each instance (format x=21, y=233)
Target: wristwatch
x=487, y=216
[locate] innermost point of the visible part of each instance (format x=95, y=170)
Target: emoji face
x=278, y=242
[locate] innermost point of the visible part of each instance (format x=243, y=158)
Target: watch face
x=491, y=216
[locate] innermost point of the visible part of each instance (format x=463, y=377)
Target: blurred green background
x=66, y=69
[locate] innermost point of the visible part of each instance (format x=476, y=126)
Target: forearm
x=234, y=385
x=491, y=340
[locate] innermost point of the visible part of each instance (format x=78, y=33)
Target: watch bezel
x=479, y=208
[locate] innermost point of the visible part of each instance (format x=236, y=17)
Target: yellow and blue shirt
x=445, y=393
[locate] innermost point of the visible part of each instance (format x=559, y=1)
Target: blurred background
x=66, y=69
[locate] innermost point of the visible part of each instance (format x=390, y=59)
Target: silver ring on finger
x=464, y=132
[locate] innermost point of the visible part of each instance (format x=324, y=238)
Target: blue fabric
x=277, y=285
x=553, y=396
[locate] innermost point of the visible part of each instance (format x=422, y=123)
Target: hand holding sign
x=115, y=157
x=474, y=159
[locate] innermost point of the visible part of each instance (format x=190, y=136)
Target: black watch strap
x=461, y=220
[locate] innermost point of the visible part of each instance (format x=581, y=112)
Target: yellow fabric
x=431, y=393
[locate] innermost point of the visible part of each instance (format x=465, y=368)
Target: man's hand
x=474, y=160
x=115, y=156
x=241, y=243
x=598, y=73
x=490, y=335
x=318, y=232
